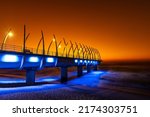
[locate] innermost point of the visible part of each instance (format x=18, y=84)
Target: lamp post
x=9, y=34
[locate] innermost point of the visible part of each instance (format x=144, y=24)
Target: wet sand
x=113, y=81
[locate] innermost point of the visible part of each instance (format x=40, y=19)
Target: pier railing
x=28, y=50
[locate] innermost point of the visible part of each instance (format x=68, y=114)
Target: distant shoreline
x=126, y=61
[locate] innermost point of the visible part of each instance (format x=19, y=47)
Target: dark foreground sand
x=112, y=82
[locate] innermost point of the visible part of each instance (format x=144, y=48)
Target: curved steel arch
x=38, y=46
x=99, y=55
x=93, y=52
x=49, y=47
x=65, y=48
x=56, y=45
x=41, y=40
x=81, y=50
x=71, y=48
x=25, y=39
x=77, y=48
x=85, y=51
x=57, y=52
x=88, y=52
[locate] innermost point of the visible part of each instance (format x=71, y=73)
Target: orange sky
x=120, y=29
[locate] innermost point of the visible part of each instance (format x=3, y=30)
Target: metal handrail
x=16, y=48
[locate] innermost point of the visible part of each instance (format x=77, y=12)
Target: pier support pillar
x=30, y=76
x=88, y=69
x=64, y=74
x=79, y=71
x=95, y=68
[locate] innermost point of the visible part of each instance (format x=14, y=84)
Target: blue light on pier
x=81, y=61
x=50, y=60
x=33, y=59
x=95, y=62
x=10, y=58
x=76, y=61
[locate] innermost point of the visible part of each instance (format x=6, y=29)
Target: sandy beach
x=110, y=82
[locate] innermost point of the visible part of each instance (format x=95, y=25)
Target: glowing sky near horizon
x=120, y=29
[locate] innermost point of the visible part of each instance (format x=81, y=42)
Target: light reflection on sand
x=111, y=82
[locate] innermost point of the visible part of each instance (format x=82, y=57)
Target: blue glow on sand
x=30, y=88
x=10, y=58
x=50, y=60
x=33, y=59
x=34, y=88
x=91, y=79
x=47, y=79
x=11, y=80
